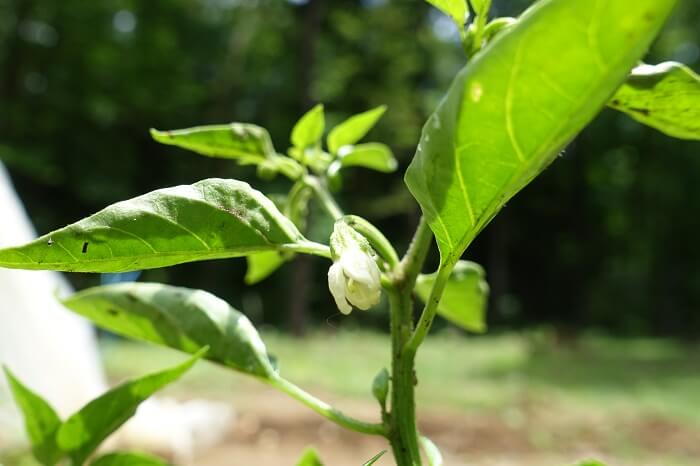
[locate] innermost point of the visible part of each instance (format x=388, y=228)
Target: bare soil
x=272, y=430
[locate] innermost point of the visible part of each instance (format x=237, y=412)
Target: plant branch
x=324, y=196
x=326, y=410
x=403, y=433
x=430, y=309
x=413, y=260
x=308, y=247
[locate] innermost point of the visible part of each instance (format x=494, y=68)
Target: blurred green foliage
x=605, y=238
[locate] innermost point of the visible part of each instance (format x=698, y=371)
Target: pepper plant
x=529, y=86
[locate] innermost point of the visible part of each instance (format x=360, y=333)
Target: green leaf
x=40, y=420
x=211, y=219
x=85, y=430
x=590, y=463
x=128, y=459
x=310, y=458
x=242, y=141
x=354, y=128
x=309, y=129
x=372, y=155
x=261, y=265
x=515, y=106
x=665, y=97
x=431, y=452
x=481, y=7
x=455, y=9
x=180, y=318
x=375, y=458
x=465, y=297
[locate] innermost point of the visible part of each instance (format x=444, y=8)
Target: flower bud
x=354, y=278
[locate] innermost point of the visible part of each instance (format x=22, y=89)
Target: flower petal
x=336, y=283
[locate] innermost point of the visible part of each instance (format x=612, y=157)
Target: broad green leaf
x=372, y=155
x=85, y=430
x=180, y=318
x=309, y=129
x=40, y=420
x=211, y=219
x=431, y=452
x=665, y=97
x=128, y=459
x=590, y=463
x=517, y=104
x=261, y=265
x=455, y=9
x=465, y=297
x=375, y=458
x=242, y=141
x=481, y=7
x=310, y=458
x=354, y=128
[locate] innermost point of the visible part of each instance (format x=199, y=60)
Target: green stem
x=308, y=247
x=326, y=410
x=324, y=196
x=430, y=309
x=403, y=433
x=414, y=258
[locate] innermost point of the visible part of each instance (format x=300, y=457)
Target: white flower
x=354, y=279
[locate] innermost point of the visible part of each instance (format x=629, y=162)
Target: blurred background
x=594, y=269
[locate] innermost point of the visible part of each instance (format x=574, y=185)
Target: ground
x=516, y=399
x=488, y=401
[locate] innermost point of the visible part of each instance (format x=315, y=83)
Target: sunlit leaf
x=465, y=297
x=85, y=430
x=372, y=155
x=181, y=318
x=241, y=141
x=515, y=106
x=309, y=129
x=128, y=459
x=455, y=9
x=481, y=7
x=211, y=219
x=310, y=458
x=354, y=128
x=40, y=421
x=431, y=452
x=665, y=97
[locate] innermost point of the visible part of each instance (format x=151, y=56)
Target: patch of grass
x=596, y=375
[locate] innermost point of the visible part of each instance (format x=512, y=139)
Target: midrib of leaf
x=592, y=36
x=525, y=170
x=510, y=130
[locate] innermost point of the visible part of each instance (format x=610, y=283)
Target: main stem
x=403, y=432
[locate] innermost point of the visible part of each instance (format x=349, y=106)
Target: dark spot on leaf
x=112, y=312
x=85, y=247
